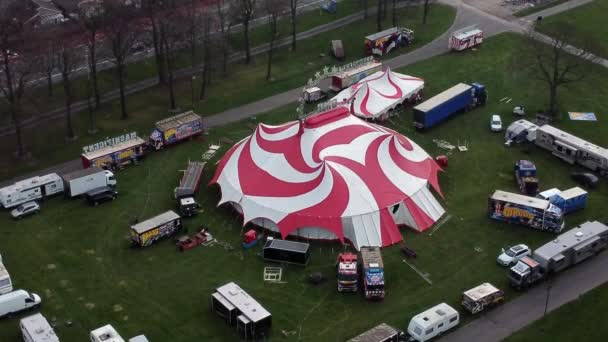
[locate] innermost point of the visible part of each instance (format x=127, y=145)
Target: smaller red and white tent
x=376, y=95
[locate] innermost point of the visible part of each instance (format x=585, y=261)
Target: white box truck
x=30, y=189
x=82, y=181
x=36, y=328
x=6, y=285
x=107, y=333
x=17, y=301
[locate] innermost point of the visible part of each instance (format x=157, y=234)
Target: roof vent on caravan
x=579, y=234
x=440, y=312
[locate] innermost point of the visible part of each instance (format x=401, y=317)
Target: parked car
x=28, y=208
x=586, y=179
x=99, y=195
x=495, y=123
x=512, y=255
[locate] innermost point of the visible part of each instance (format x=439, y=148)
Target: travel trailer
x=31, y=189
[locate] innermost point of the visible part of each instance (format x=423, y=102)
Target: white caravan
x=432, y=322
x=6, y=285
x=140, y=338
x=16, y=301
x=572, y=149
x=31, y=189
x=36, y=328
x=107, y=333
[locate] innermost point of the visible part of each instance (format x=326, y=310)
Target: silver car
x=512, y=255
x=28, y=208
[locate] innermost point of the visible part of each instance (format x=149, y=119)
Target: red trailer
x=465, y=38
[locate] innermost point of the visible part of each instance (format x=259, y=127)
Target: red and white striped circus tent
x=331, y=176
x=379, y=93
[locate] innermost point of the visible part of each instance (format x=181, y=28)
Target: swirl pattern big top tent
x=331, y=176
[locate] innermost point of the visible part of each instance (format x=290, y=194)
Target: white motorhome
x=432, y=322
x=36, y=328
x=107, y=333
x=31, y=189
x=6, y=285
x=572, y=149
x=16, y=301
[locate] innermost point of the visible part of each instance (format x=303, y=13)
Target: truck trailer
x=188, y=186
x=461, y=97
x=568, y=249
x=287, y=252
x=82, y=181
x=176, y=129
x=481, y=297
x=572, y=149
x=30, y=189
x=36, y=328
x=151, y=230
x=346, y=269
x=570, y=200
x=372, y=272
x=114, y=153
x=351, y=76
x=383, y=42
x=525, y=210
x=465, y=38
x=379, y=333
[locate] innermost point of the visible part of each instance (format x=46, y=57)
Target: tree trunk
x=92, y=125
x=49, y=83
x=273, y=31
x=425, y=11
x=294, y=13
x=158, y=54
x=553, y=99
x=121, y=85
x=69, y=134
x=365, y=5
x=384, y=6
x=93, y=70
x=379, y=16
x=13, y=105
x=394, y=11
x=171, y=83
x=246, y=32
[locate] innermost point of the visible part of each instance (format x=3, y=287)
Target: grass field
x=588, y=24
x=78, y=258
x=581, y=316
x=245, y=84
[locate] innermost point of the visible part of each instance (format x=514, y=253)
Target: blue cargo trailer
x=570, y=200
x=461, y=97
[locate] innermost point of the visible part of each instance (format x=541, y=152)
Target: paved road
x=501, y=322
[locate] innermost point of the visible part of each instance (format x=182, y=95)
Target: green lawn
x=580, y=316
x=245, y=84
x=79, y=260
x=588, y=23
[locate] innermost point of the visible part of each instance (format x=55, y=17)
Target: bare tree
x=274, y=9
x=48, y=62
x=365, y=5
x=91, y=21
x=121, y=36
x=395, y=17
x=426, y=9
x=552, y=60
x=207, y=54
x=68, y=59
x=293, y=6
x=152, y=10
x=174, y=30
x=379, y=15
x=243, y=11
x=17, y=70
x=224, y=28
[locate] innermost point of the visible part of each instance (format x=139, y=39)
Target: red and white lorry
x=347, y=275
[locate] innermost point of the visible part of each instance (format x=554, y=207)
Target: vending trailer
x=525, y=210
x=175, y=129
x=149, y=231
x=350, y=76
x=114, y=153
x=465, y=38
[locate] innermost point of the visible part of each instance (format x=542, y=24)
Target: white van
x=6, y=285
x=107, y=333
x=36, y=328
x=432, y=322
x=496, y=123
x=17, y=301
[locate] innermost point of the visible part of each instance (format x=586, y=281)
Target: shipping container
x=461, y=97
x=285, y=251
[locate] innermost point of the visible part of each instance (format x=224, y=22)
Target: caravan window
x=428, y=331
x=417, y=331
x=453, y=319
x=440, y=325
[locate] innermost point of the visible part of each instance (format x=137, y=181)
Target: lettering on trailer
x=509, y=211
x=109, y=142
